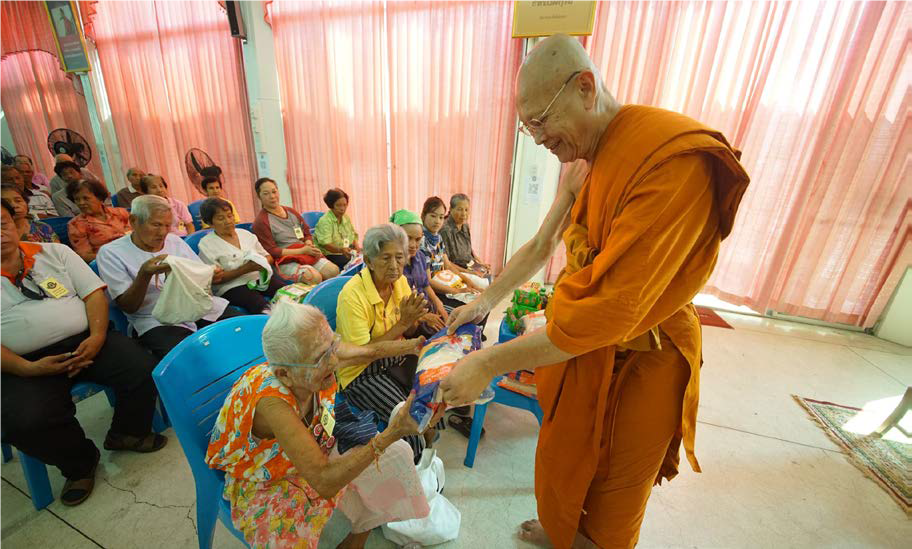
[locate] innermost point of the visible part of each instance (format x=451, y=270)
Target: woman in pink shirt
x=97, y=224
x=181, y=221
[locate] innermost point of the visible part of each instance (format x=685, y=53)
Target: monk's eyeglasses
x=535, y=125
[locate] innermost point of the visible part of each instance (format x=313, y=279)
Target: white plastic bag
x=187, y=294
x=442, y=523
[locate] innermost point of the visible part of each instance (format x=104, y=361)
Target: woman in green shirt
x=334, y=234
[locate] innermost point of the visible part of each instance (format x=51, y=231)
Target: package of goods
x=528, y=295
x=449, y=278
x=520, y=381
x=294, y=292
x=515, y=315
x=531, y=322
x=356, y=259
x=437, y=359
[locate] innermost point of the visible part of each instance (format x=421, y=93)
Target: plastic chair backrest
x=59, y=224
x=196, y=376
x=115, y=314
x=114, y=200
x=193, y=240
x=311, y=218
x=194, y=208
x=325, y=296
x=245, y=226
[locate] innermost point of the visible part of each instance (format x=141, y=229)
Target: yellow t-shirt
x=361, y=315
x=237, y=218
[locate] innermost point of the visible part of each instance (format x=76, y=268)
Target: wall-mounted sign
x=547, y=18
x=68, y=34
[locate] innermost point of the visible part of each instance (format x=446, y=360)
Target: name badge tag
x=298, y=232
x=328, y=421
x=54, y=288
x=346, y=243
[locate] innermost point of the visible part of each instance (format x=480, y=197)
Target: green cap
x=405, y=217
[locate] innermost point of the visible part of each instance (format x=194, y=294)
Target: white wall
x=535, y=177
x=265, y=101
x=896, y=323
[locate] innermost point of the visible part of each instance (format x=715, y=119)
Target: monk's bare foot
x=533, y=532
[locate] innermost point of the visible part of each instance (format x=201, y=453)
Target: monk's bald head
x=547, y=67
x=578, y=113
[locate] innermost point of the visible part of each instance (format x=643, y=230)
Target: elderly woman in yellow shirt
x=334, y=234
x=378, y=305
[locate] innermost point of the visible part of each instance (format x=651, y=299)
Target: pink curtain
x=453, y=122
x=175, y=80
x=817, y=97
x=329, y=60
x=38, y=97
x=25, y=27
x=430, y=75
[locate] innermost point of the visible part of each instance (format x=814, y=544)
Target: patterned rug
x=709, y=317
x=887, y=462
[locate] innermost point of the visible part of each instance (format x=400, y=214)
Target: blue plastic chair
x=311, y=218
x=59, y=224
x=35, y=471
x=325, y=297
x=245, y=226
x=352, y=271
x=114, y=200
x=115, y=314
x=194, y=208
x=193, y=381
x=193, y=240
x=501, y=396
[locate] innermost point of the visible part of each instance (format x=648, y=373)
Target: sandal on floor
x=150, y=443
x=463, y=425
x=75, y=491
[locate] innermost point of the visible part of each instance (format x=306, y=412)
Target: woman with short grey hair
x=276, y=439
x=378, y=305
x=458, y=238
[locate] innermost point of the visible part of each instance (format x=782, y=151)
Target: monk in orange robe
x=642, y=210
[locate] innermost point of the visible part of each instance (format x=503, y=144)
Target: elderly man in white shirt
x=133, y=268
x=55, y=332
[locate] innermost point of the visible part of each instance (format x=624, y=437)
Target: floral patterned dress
x=271, y=504
x=40, y=232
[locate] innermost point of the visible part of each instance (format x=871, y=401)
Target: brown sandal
x=75, y=491
x=150, y=443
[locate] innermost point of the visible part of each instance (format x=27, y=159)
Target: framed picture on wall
x=67, y=31
x=575, y=18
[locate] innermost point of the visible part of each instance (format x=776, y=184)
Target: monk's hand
x=574, y=176
x=470, y=376
x=471, y=313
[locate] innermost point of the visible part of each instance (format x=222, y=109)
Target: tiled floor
x=771, y=477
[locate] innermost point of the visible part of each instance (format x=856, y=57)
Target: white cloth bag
x=187, y=294
x=442, y=523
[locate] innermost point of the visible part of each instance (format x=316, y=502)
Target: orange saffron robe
x=643, y=240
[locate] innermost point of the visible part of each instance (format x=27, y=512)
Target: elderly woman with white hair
x=274, y=438
x=378, y=305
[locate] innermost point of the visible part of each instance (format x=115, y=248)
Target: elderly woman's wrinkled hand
x=412, y=308
x=433, y=320
x=403, y=424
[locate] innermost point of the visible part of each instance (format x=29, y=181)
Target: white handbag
x=187, y=294
x=442, y=523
